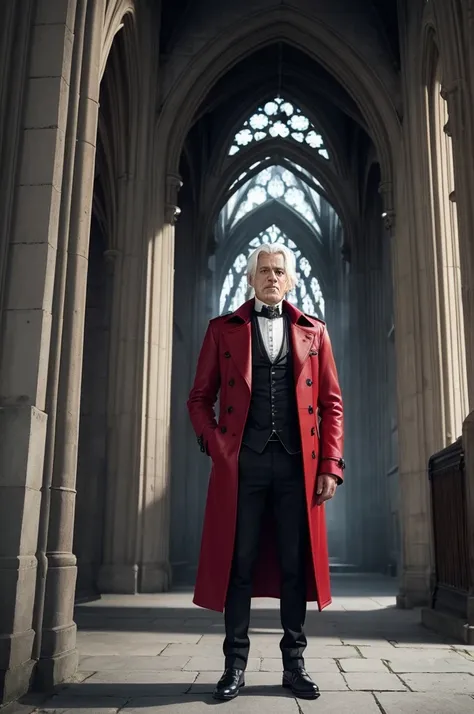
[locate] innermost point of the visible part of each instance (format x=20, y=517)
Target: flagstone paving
x=158, y=653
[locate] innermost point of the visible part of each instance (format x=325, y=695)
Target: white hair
x=274, y=248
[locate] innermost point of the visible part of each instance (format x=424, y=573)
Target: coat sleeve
x=203, y=395
x=331, y=413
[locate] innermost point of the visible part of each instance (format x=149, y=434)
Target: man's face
x=271, y=280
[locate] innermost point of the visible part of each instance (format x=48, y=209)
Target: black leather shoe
x=300, y=683
x=230, y=684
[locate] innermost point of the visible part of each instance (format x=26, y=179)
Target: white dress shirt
x=272, y=330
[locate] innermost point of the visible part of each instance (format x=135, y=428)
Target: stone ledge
x=448, y=625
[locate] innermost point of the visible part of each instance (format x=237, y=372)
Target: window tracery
x=279, y=118
x=276, y=183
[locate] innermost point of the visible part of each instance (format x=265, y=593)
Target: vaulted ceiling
x=384, y=13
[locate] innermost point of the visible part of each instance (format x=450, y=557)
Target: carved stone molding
x=346, y=252
x=111, y=255
x=110, y=258
x=389, y=220
x=448, y=89
x=388, y=215
x=172, y=210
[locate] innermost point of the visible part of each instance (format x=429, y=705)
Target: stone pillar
x=127, y=155
x=120, y=571
x=415, y=401
x=186, y=485
x=26, y=330
x=457, y=60
x=58, y=656
x=355, y=455
x=155, y=494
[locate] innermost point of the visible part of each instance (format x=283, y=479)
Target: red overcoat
x=225, y=369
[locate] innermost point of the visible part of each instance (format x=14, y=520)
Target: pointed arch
x=115, y=13
x=313, y=38
x=337, y=190
x=118, y=118
x=277, y=183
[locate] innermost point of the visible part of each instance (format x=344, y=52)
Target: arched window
x=446, y=249
x=307, y=295
x=279, y=118
x=275, y=183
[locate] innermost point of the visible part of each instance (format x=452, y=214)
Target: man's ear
x=250, y=280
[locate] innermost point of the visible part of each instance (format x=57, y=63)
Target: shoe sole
x=287, y=685
x=229, y=697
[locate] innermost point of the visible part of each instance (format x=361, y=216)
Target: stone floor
x=158, y=653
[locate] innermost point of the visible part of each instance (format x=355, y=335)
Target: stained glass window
x=276, y=183
x=245, y=173
x=279, y=118
x=307, y=295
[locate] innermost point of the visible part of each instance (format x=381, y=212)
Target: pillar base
x=15, y=682
x=415, y=590
x=155, y=577
x=119, y=579
x=52, y=671
x=448, y=625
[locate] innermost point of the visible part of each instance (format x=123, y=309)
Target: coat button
x=231, y=382
x=223, y=429
x=313, y=430
x=230, y=410
x=227, y=355
x=309, y=382
x=310, y=409
x=313, y=454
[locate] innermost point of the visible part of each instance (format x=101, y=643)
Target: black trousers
x=274, y=478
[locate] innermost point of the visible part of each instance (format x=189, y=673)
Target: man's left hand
x=326, y=488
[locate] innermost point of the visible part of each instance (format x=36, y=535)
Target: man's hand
x=326, y=488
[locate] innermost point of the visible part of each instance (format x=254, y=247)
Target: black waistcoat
x=273, y=408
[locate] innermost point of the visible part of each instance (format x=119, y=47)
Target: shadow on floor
x=363, y=609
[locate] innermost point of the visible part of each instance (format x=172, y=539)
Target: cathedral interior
x=147, y=147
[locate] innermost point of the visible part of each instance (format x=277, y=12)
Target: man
x=277, y=457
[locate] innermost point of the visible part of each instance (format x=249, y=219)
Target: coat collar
x=244, y=314
x=239, y=338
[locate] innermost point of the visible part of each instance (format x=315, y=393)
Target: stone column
x=457, y=60
x=128, y=143
x=120, y=571
x=186, y=484
x=26, y=328
x=58, y=657
x=155, y=494
x=415, y=401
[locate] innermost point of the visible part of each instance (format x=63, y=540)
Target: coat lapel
x=238, y=338
x=302, y=342
x=302, y=338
